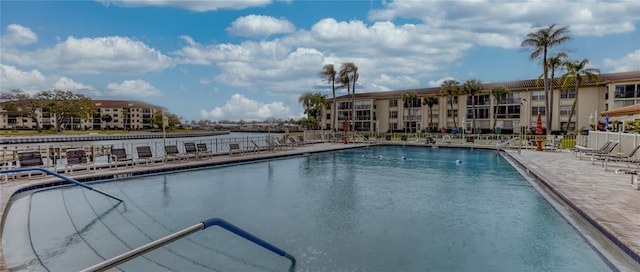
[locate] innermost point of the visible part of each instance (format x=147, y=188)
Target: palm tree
x=472, y=87
x=497, y=92
x=429, y=101
x=344, y=81
x=577, y=72
x=451, y=88
x=329, y=72
x=541, y=41
x=305, y=100
x=350, y=71
x=408, y=98
x=554, y=63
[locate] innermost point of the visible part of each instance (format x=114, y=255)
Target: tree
x=349, y=74
x=65, y=104
x=409, y=98
x=107, y=118
x=172, y=119
x=313, y=104
x=125, y=117
x=497, y=92
x=472, y=87
x=430, y=101
x=329, y=72
x=17, y=102
x=554, y=63
x=541, y=42
x=577, y=73
x=451, y=88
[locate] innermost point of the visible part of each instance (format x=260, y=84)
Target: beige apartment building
x=112, y=114
x=516, y=112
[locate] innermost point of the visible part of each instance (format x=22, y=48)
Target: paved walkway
x=606, y=198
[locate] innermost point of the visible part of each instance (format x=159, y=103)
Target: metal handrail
x=67, y=179
x=132, y=254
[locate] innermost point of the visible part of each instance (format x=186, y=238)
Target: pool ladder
x=132, y=254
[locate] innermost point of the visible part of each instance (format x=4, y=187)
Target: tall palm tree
x=554, y=63
x=329, y=72
x=472, y=87
x=408, y=98
x=430, y=101
x=541, y=42
x=577, y=73
x=343, y=81
x=451, y=89
x=497, y=92
x=349, y=75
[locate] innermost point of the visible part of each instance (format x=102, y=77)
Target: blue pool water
x=372, y=209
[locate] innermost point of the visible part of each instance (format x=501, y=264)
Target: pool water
x=386, y=208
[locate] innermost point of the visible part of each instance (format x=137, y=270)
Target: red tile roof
x=628, y=110
x=124, y=104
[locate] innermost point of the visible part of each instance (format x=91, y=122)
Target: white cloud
x=630, y=62
x=587, y=18
x=239, y=107
x=199, y=6
x=438, y=83
x=29, y=81
x=68, y=84
x=259, y=26
x=93, y=56
x=132, y=88
x=18, y=35
x=34, y=81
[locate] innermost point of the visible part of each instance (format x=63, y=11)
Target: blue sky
x=252, y=59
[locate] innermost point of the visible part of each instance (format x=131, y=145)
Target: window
x=455, y=100
x=626, y=91
x=536, y=110
x=571, y=93
x=393, y=115
x=452, y=113
x=572, y=125
x=538, y=95
x=564, y=110
x=393, y=103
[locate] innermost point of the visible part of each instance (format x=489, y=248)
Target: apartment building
x=112, y=114
x=516, y=111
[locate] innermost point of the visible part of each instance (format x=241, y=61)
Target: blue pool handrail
x=67, y=179
x=134, y=253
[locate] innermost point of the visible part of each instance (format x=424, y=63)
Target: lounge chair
x=203, y=151
x=578, y=151
x=28, y=159
x=144, y=154
x=77, y=158
x=604, y=151
x=292, y=141
x=283, y=144
x=191, y=150
x=171, y=152
x=234, y=148
x=618, y=157
x=119, y=155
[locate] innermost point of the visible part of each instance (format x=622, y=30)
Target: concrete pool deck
x=604, y=197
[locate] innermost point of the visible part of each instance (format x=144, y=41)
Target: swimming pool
x=386, y=208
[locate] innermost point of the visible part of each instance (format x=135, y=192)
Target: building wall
x=592, y=100
x=140, y=118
